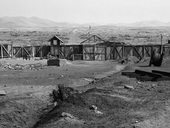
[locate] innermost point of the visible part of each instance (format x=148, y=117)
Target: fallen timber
x=153, y=75
x=161, y=72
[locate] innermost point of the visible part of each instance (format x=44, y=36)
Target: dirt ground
x=144, y=104
x=28, y=89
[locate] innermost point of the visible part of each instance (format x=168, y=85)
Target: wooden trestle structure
x=93, y=48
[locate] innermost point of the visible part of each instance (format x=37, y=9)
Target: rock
x=128, y=87
x=98, y=112
x=67, y=117
x=93, y=107
x=64, y=114
x=2, y=93
x=55, y=103
x=139, y=82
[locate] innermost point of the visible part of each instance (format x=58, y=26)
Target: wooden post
x=83, y=52
x=123, y=50
x=41, y=52
x=151, y=50
x=94, y=52
x=73, y=57
x=12, y=50
x=64, y=51
x=105, y=52
x=2, y=56
x=33, y=51
x=143, y=51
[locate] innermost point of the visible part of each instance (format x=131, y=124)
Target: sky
x=89, y=11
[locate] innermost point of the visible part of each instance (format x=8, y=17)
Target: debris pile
x=36, y=66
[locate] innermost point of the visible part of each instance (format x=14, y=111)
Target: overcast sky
x=89, y=11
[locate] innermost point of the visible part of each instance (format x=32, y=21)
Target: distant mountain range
x=153, y=23
x=32, y=22
x=35, y=22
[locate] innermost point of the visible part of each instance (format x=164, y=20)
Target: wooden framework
x=93, y=48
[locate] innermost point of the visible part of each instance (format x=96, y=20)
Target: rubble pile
x=36, y=66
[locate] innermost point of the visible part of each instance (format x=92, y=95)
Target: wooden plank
x=26, y=51
x=134, y=48
x=141, y=72
x=2, y=56
x=161, y=72
x=38, y=51
x=17, y=52
x=94, y=50
x=6, y=51
x=117, y=52
x=147, y=51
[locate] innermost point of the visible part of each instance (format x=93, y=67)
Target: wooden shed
x=55, y=46
x=94, y=48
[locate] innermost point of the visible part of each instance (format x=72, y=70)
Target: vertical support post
x=73, y=56
x=33, y=51
x=151, y=50
x=41, y=52
x=2, y=52
x=12, y=51
x=83, y=52
x=143, y=51
x=64, y=51
x=94, y=51
x=123, y=50
x=105, y=52
x=22, y=51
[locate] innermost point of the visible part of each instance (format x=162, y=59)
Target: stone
x=64, y=114
x=128, y=87
x=98, y=112
x=93, y=107
x=2, y=93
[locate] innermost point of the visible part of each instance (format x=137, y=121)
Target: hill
x=31, y=22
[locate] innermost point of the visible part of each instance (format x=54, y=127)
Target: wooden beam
x=18, y=51
x=105, y=51
x=137, y=52
x=117, y=52
x=2, y=56
x=161, y=72
x=5, y=50
x=26, y=51
x=94, y=46
x=147, y=51
x=141, y=72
